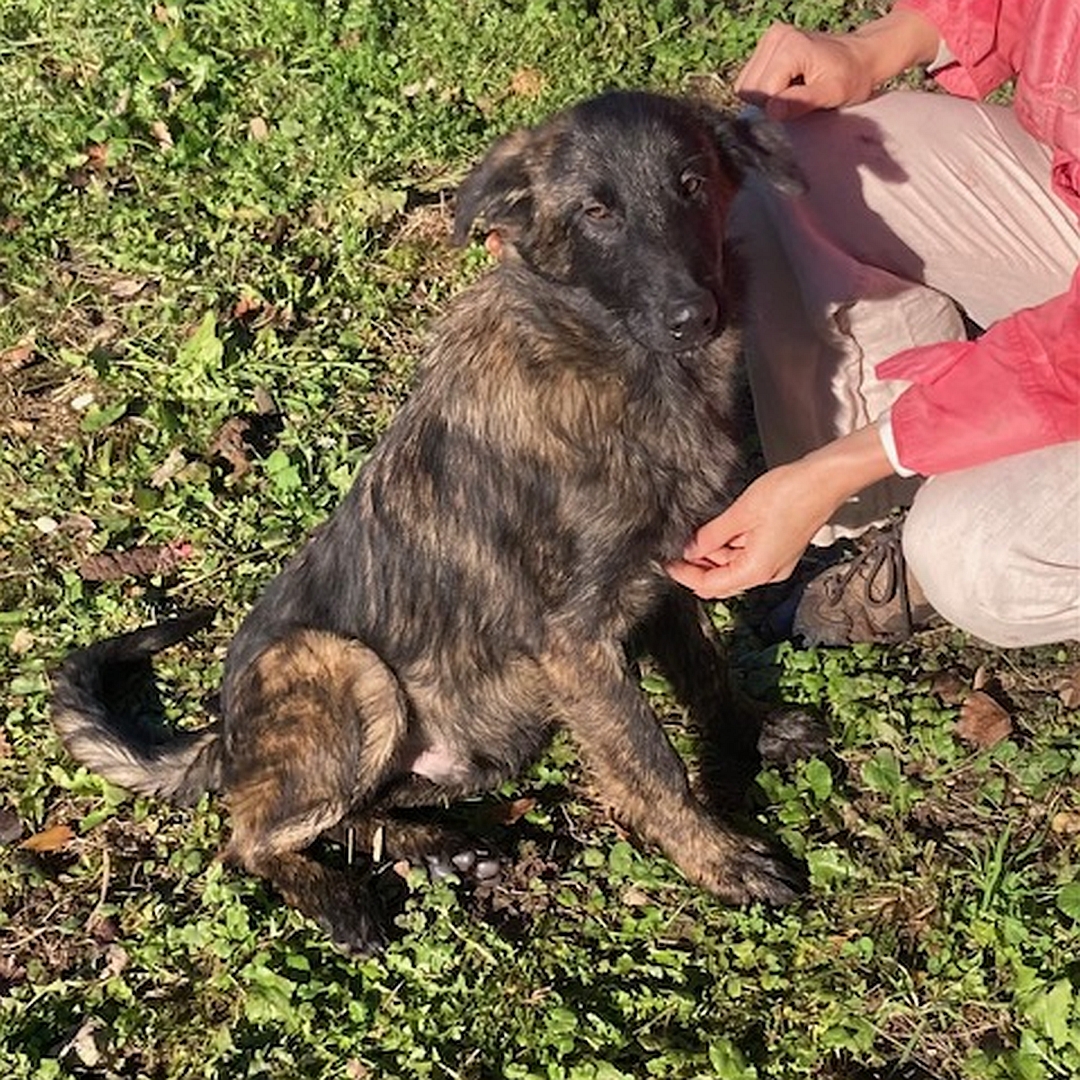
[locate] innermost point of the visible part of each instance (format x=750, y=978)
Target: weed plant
x=223, y=227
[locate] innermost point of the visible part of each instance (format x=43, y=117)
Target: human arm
x=762, y=535
x=794, y=71
x=1016, y=388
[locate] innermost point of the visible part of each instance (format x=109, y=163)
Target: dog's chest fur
x=539, y=471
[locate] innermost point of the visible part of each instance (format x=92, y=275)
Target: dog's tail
x=101, y=712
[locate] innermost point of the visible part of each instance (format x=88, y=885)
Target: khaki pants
x=925, y=213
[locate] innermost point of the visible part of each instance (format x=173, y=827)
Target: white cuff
x=945, y=56
x=888, y=441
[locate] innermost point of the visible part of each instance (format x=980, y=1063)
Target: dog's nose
x=692, y=318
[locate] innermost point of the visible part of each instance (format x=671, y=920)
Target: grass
x=221, y=218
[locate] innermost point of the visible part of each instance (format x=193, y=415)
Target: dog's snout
x=691, y=319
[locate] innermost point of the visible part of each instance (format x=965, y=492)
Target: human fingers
x=716, y=540
x=778, y=60
x=707, y=582
x=734, y=571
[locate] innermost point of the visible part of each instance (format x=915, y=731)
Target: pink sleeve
x=1016, y=388
x=983, y=36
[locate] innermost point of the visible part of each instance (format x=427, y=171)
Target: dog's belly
x=442, y=765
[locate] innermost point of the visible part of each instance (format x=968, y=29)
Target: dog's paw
x=745, y=869
x=353, y=931
x=788, y=735
x=761, y=873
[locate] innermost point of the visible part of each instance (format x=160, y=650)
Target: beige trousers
x=925, y=214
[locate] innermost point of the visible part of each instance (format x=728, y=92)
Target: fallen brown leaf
x=515, y=810
x=230, y=444
x=1068, y=687
x=526, y=82
x=245, y=306
x=126, y=288
x=983, y=722
x=143, y=561
x=97, y=156
x=116, y=959
x=949, y=686
x=160, y=130
x=265, y=405
x=54, y=838
x=18, y=356
x=174, y=462
x=1066, y=823
x=10, y=826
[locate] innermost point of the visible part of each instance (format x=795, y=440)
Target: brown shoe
x=869, y=598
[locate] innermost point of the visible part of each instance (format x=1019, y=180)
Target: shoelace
x=883, y=558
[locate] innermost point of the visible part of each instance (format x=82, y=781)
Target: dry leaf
x=84, y=1043
x=10, y=826
x=265, y=405
x=173, y=463
x=97, y=156
x=245, y=306
x=160, y=130
x=116, y=959
x=949, y=686
x=983, y=722
x=1066, y=823
x=52, y=839
x=1068, y=688
x=126, y=288
x=514, y=811
x=527, y=83
x=230, y=444
x=18, y=356
x=143, y=561
x=258, y=129
x=22, y=641
x=79, y=526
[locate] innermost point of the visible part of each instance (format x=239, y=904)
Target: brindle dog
x=572, y=423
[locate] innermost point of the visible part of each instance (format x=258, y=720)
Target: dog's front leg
x=638, y=772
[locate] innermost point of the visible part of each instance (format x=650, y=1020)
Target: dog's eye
x=692, y=184
x=596, y=211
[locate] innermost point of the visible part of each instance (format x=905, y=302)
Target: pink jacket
x=1017, y=387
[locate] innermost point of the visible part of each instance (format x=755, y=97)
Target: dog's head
x=624, y=198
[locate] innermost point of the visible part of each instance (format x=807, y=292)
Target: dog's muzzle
x=691, y=319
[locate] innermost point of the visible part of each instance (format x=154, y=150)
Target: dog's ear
x=497, y=194
x=750, y=143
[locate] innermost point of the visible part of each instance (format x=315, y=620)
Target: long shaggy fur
x=572, y=423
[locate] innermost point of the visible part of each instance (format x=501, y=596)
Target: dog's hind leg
x=639, y=773
x=315, y=726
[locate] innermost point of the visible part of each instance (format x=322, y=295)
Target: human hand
x=758, y=539
x=794, y=71
x=762, y=535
